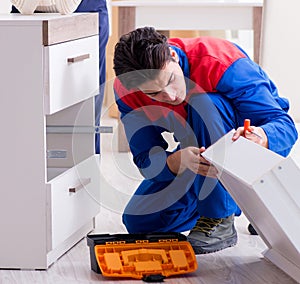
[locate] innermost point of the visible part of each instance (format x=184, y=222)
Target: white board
x=266, y=188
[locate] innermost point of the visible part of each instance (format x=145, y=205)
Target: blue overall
x=167, y=203
x=164, y=202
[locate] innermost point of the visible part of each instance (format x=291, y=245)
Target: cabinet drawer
x=71, y=73
x=75, y=147
x=73, y=199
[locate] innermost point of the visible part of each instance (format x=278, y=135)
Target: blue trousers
x=98, y=6
x=175, y=206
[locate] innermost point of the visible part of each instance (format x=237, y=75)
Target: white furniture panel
x=70, y=73
x=265, y=186
x=40, y=219
x=191, y=15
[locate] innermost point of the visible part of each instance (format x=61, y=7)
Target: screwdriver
x=247, y=124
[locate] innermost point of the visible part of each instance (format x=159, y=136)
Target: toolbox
x=142, y=256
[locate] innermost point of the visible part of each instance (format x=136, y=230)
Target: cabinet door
x=71, y=73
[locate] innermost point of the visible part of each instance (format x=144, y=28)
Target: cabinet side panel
x=23, y=200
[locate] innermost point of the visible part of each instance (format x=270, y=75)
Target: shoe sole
x=230, y=242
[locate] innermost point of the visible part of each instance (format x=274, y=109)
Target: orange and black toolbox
x=150, y=257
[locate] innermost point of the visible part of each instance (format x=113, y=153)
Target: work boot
x=211, y=234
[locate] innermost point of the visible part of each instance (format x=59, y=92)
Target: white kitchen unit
x=50, y=185
x=265, y=186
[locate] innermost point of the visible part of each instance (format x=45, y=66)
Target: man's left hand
x=256, y=134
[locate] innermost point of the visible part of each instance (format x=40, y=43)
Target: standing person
x=199, y=89
x=100, y=7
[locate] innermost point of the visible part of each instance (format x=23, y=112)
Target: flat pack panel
x=247, y=160
x=264, y=185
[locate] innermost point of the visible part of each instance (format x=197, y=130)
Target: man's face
x=168, y=87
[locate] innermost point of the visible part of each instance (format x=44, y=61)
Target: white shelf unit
x=50, y=185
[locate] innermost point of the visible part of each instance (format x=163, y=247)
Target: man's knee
x=128, y=221
x=141, y=223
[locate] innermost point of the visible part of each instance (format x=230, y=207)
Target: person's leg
x=103, y=38
x=211, y=116
x=162, y=206
x=100, y=7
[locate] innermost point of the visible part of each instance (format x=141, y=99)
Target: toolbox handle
x=153, y=278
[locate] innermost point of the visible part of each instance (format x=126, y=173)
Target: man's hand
x=190, y=158
x=256, y=134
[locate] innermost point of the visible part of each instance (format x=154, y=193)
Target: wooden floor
x=242, y=264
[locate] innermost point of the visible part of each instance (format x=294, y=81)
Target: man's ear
x=174, y=55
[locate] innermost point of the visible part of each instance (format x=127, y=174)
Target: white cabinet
x=50, y=186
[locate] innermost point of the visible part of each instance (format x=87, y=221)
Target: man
x=199, y=89
x=84, y=6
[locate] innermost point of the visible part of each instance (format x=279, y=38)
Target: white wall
x=280, y=48
x=5, y=6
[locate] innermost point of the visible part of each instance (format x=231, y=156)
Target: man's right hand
x=190, y=158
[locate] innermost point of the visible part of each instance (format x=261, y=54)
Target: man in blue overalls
x=199, y=89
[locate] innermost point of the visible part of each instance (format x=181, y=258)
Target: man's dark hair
x=140, y=55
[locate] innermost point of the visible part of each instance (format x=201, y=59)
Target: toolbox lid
x=142, y=259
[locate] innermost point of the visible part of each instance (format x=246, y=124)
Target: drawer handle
x=78, y=58
x=56, y=154
x=83, y=182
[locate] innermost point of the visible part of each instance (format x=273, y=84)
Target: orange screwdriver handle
x=247, y=125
